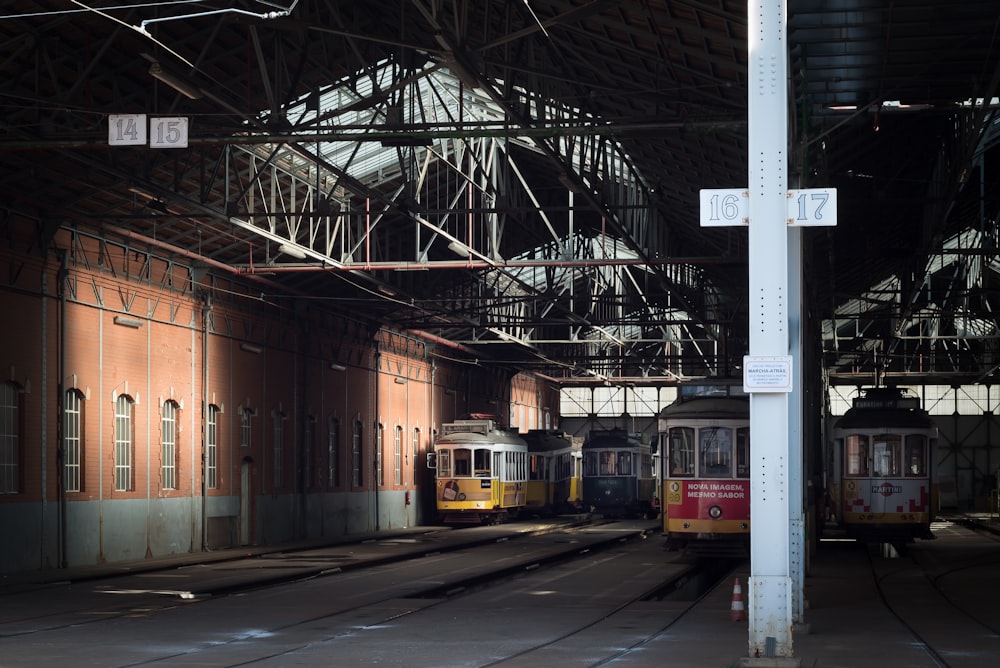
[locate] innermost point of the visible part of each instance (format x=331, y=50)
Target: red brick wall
x=54, y=341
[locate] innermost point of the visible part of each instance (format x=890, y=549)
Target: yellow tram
x=554, y=472
x=481, y=471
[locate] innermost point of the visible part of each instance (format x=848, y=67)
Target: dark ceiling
x=518, y=181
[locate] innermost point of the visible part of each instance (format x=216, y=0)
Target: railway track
x=341, y=611
x=932, y=592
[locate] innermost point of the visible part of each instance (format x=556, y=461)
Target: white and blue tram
x=618, y=478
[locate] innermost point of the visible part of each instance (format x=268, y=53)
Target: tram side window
x=482, y=457
x=607, y=463
x=536, y=467
x=885, y=455
x=681, y=443
x=463, y=462
x=591, y=463
x=915, y=448
x=743, y=452
x=563, y=467
x=856, y=455
x=516, y=466
x=646, y=466
x=444, y=463
x=716, y=452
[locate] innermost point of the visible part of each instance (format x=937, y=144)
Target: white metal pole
x=770, y=588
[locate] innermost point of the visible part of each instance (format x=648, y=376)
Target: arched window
x=310, y=450
x=397, y=457
x=245, y=430
x=278, y=446
x=168, y=445
x=333, y=453
x=10, y=442
x=415, y=453
x=356, y=451
x=124, y=448
x=73, y=441
x=212, y=448
x=379, y=472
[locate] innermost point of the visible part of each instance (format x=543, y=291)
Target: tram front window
x=624, y=465
x=681, y=443
x=463, y=462
x=607, y=463
x=856, y=455
x=716, y=452
x=915, y=445
x=885, y=455
x=482, y=463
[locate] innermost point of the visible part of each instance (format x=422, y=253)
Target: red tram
x=706, y=474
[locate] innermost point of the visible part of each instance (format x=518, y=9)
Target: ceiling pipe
x=479, y=264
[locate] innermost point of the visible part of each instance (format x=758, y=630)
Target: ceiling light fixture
x=458, y=248
x=183, y=87
x=292, y=251
x=134, y=323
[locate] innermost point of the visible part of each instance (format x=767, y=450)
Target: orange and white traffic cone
x=736, y=611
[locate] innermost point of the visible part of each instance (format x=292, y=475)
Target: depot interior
x=491, y=206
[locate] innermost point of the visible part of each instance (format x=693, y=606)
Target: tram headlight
x=715, y=512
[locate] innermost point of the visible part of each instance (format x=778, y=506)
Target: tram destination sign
x=725, y=207
x=767, y=373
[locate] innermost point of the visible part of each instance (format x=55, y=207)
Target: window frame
x=397, y=456
x=333, y=452
x=856, y=464
x=168, y=445
x=278, y=449
x=212, y=447
x=124, y=444
x=682, y=452
x=73, y=451
x=357, y=455
x=10, y=439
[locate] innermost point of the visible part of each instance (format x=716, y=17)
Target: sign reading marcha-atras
x=767, y=374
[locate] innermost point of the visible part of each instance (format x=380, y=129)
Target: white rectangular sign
x=126, y=129
x=812, y=207
x=168, y=132
x=767, y=373
x=726, y=207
